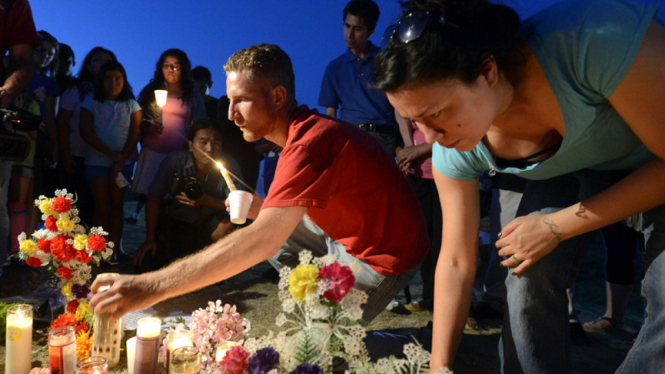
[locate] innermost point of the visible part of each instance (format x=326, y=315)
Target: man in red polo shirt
x=329, y=170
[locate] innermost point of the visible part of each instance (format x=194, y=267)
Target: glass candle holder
x=177, y=339
x=106, y=334
x=92, y=365
x=62, y=350
x=148, y=331
x=19, y=339
x=185, y=360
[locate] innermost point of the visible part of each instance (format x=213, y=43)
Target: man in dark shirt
x=191, y=218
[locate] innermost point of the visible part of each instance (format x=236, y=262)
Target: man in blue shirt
x=345, y=82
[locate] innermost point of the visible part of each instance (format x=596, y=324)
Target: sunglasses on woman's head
x=412, y=26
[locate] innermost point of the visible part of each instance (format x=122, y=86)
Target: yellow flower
x=302, y=281
x=28, y=247
x=79, y=241
x=46, y=207
x=82, y=310
x=65, y=224
x=67, y=289
x=83, y=345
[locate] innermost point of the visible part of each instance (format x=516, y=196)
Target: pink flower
x=235, y=361
x=341, y=281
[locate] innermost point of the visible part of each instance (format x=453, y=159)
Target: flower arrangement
x=210, y=326
x=67, y=250
x=320, y=320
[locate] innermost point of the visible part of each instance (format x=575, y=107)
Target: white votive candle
x=131, y=350
x=62, y=350
x=147, y=345
x=19, y=339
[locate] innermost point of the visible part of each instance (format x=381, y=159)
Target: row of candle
x=142, y=350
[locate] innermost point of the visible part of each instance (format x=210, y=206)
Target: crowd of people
x=544, y=113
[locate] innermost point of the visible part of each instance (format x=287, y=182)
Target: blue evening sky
x=209, y=31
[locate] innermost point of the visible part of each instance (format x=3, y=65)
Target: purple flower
x=307, y=369
x=80, y=291
x=263, y=361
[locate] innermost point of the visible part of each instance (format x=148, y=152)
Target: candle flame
x=220, y=166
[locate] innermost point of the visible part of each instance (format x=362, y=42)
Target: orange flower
x=96, y=243
x=66, y=319
x=61, y=204
x=83, y=345
x=82, y=327
x=50, y=223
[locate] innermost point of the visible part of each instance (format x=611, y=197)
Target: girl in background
x=73, y=148
x=164, y=132
x=110, y=125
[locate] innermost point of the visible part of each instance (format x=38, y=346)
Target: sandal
x=413, y=306
x=603, y=324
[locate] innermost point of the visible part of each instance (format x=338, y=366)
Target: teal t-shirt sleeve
x=133, y=106
x=609, y=36
x=464, y=166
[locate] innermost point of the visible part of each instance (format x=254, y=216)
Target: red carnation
x=235, y=360
x=44, y=245
x=33, y=262
x=72, y=306
x=50, y=223
x=65, y=272
x=341, y=280
x=96, y=243
x=65, y=319
x=61, y=250
x=83, y=257
x=62, y=204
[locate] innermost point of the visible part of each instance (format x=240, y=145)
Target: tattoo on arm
x=553, y=228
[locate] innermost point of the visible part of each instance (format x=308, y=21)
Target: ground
x=256, y=299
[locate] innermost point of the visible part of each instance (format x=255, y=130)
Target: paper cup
x=239, y=203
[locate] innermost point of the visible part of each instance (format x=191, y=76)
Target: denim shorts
x=93, y=172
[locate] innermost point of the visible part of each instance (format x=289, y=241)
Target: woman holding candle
x=164, y=129
x=572, y=95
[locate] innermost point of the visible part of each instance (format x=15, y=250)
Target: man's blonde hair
x=266, y=61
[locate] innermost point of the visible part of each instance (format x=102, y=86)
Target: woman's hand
x=152, y=126
x=528, y=239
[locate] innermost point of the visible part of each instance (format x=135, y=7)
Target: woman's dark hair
x=365, y=9
x=52, y=67
x=202, y=124
x=158, y=82
x=86, y=75
x=108, y=66
x=444, y=51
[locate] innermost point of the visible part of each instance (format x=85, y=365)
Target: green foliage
x=306, y=351
x=3, y=318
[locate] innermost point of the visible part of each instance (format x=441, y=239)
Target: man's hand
x=127, y=293
x=7, y=96
x=149, y=246
x=183, y=199
x=254, y=209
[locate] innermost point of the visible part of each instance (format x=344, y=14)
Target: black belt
x=373, y=127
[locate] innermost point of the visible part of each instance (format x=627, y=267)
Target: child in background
x=110, y=125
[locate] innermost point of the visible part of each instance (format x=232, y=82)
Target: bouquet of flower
x=320, y=321
x=210, y=326
x=67, y=249
x=64, y=246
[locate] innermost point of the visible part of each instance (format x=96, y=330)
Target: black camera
x=15, y=147
x=187, y=184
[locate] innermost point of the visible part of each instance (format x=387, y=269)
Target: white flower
x=289, y=305
x=280, y=320
x=305, y=257
x=325, y=260
x=284, y=273
x=356, y=268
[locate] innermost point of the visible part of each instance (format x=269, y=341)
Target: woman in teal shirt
x=571, y=99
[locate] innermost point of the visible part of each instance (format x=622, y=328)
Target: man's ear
x=190, y=145
x=279, y=96
x=210, y=85
x=490, y=71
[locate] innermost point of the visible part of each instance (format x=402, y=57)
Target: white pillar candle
x=19, y=339
x=106, y=334
x=62, y=350
x=148, y=332
x=131, y=350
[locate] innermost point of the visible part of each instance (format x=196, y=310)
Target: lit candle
x=62, y=350
x=92, y=365
x=227, y=176
x=186, y=360
x=106, y=334
x=18, y=353
x=131, y=350
x=160, y=99
x=223, y=348
x=177, y=339
x=147, y=345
